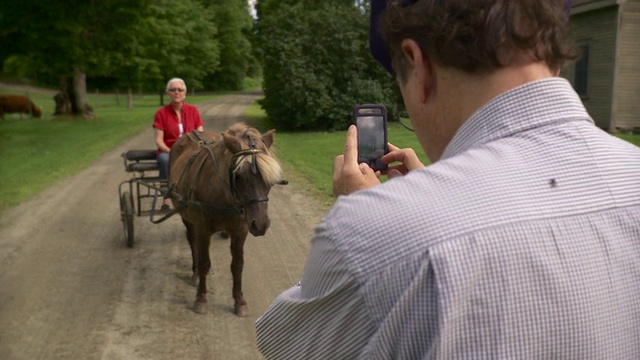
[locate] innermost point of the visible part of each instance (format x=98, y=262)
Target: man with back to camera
x=520, y=241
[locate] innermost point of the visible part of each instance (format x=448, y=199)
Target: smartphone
x=371, y=121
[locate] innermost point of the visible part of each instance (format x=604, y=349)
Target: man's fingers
x=337, y=164
x=393, y=155
x=393, y=173
x=366, y=170
x=406, y=156
x=351, y=146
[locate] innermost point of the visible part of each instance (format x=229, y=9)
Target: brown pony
x=222, y=184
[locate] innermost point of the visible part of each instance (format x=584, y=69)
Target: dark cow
x=10, y=104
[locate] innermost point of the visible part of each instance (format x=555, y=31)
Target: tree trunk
x=72, y=98
x=81, y=107
x=63, y=98
x=129, y=98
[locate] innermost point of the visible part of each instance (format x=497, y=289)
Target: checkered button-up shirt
x=522, y=242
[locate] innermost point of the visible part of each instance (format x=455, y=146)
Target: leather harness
x=205, y=147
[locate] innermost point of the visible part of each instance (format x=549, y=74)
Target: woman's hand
x=348, y=175
x=406, y=157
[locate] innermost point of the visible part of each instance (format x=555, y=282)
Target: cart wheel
x=126, y=208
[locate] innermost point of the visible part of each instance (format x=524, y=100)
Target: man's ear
x=420, y=66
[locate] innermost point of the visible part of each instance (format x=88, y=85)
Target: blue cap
x=377, y=46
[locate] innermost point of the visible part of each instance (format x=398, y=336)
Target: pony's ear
x=232, y=143
x=269, y=137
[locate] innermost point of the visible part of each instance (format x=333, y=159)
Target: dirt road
x=71, y=289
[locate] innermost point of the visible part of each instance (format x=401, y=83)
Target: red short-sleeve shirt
x=167, y=121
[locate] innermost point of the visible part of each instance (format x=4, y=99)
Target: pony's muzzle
x=259, y=228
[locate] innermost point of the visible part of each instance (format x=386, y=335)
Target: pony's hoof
x=241, y=310
x=193, y=280
x=200, y=307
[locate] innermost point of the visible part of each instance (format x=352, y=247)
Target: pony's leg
x=237, y=264
x=194, y=251
x=202, y=240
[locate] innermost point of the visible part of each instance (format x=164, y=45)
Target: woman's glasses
x=176, y=90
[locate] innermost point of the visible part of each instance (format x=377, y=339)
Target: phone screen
x=371, y=139
x=371, y=121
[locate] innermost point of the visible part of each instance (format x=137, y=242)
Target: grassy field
x=37, y=153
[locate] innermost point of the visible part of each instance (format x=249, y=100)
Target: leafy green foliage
x=135, y=44
x=317, y=64
x=179, y=39
x=234, y=25
x=58, y=38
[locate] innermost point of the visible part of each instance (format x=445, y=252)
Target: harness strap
x=213, y=210
x=153, y=208
x=167, y=215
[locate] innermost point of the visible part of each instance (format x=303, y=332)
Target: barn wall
x=597, y=29
x=626, y=100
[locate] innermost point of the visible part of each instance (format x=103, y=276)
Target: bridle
x=233, y=168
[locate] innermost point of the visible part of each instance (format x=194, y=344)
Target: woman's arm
x=160, y=141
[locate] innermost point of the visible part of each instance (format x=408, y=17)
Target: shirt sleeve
x=198, y=118
x=158, y=120
x=324, y=317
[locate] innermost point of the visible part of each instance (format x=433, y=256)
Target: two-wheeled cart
x=139, y=194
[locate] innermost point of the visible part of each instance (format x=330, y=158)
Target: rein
x=238, y=207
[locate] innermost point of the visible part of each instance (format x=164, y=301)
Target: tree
x=234, y=22
x=67, y=39
x=316, y=63
x=173, y=39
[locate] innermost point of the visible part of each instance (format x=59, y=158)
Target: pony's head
x=253, y=171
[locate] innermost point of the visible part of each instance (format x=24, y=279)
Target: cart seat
x=140, y=160
x=141, y=167
x=140, y=155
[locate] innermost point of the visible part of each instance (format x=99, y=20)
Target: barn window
x=581, y=79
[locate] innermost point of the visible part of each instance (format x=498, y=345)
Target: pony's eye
x=239, y=179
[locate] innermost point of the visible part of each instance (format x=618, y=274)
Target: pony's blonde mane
x=267, y=162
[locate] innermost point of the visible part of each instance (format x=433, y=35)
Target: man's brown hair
x=480, y=35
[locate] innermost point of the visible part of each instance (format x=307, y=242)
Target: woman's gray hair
x=174, y=80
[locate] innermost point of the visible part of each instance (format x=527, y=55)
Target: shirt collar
x=532, y=105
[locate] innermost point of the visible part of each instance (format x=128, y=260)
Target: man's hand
x=348, y=175
x=407, y=158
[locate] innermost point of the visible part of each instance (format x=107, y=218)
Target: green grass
x=37, y=153
x=253, y=83
x=634, y=139
x=308, y=157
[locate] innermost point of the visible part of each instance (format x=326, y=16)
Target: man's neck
x=460, y=95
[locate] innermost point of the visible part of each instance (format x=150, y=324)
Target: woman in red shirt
x=171, y=122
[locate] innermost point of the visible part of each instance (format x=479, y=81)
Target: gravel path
x=71, y=289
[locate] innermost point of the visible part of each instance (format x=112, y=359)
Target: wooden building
x=607, y=76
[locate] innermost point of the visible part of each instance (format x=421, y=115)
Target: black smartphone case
x=373, y=110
